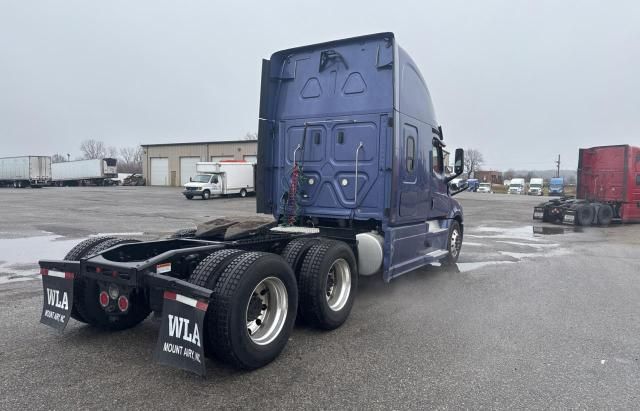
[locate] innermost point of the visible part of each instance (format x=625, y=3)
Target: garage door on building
x=187, y=168
x=159, y=171
x=220, y=158
x=251, y=159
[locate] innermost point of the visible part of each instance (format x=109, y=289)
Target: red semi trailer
x=608, y=189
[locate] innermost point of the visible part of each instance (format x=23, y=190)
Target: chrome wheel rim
x=456, y=243
x=338, y=284
x=267, y=311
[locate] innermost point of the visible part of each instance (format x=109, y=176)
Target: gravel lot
x=526, y=320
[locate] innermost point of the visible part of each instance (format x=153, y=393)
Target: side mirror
x=458, y=167
x=191, y=179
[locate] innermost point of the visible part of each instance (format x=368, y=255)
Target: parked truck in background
x=556, y=186
x=516, y=186
x=98, y=171
x=485, y=188
x=608, y=189
x=536, y=186
x=25, y=171
x=473, y=184
x=221, y=179
x=351, y=170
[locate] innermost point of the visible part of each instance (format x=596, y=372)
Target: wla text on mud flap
x=179, y=328
x=53, y=299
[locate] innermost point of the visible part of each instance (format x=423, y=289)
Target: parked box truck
x=608, y=189
x=343, y=178
x=26, y=171
x=97, y=171
x=221, y=178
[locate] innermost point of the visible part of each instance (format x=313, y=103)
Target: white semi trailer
x=97, y=171
x=26, y=171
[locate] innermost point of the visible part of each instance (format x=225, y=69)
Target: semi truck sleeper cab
x=351, y=170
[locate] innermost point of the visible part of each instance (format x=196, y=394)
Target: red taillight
x=123, y=303
x=44, y=271
x=104, y=299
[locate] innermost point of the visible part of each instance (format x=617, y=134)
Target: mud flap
x=569, y=218
x=58, y=298
x=181, y=333
x=538, y=213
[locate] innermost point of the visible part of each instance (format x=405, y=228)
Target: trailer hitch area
x=57, y=283
x=180, y=340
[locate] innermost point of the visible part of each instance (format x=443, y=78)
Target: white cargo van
x=516, y=186
x=221, y=178
x=535, y=187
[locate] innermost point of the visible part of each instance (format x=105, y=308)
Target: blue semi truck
x=351, y=169
x=556, y=186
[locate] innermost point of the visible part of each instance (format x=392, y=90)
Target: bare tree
x=251, y=136
x=112, y=152
x=58, y=158
x=139, y=156
x=130, y=160
x=93, y=149
x=128, y=154
x=509, y=174
x=472, y=161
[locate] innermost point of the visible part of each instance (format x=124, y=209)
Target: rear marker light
x=104, y=299
x=123, y=303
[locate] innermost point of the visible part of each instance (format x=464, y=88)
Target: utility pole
x=558, y=165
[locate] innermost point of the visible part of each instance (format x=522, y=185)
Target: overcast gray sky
x=522, y=81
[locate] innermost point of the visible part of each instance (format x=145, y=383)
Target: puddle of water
x=464, y=267
x=537, y=246
x=523, y=233
x=117, y=234
x=472, y=244
x=523, y=256
x=554, y=230
x=18, y=254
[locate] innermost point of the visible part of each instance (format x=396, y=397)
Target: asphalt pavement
x=534, y=316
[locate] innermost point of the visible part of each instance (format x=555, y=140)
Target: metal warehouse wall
x=173, y=152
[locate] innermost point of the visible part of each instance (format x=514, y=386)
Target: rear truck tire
x=206, y=275
x=75, y=254
x=454, y=244
x=89, y=305
x=584, y=214
x=243, y=193
x=295, y=252
x=605, y=214
x=327, y=284
x=185, y=232
x=252, y=310
x=206, y=195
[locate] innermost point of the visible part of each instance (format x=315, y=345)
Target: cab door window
x=411, y=154
x=437, y=159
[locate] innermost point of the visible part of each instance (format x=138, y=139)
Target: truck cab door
x=440, y=200
x=215, y=183
x=408, y=184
